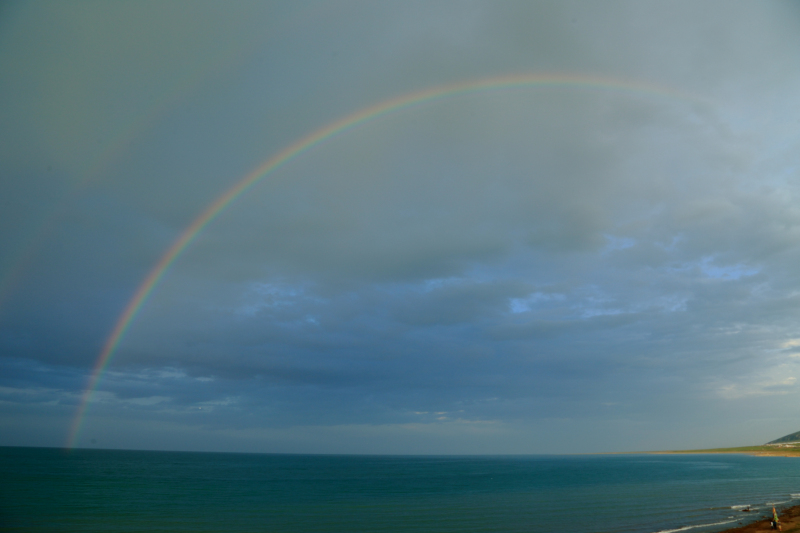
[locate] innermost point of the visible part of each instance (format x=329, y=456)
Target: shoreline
x=762, y=450
x=788, y=518
x=758, y=453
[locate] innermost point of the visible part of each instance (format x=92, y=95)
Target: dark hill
x=791, y=437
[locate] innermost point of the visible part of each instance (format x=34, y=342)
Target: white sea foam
x=778, y=503
x=686, y=528
x=741, y=506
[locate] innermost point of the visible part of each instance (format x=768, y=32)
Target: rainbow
x=304, y=144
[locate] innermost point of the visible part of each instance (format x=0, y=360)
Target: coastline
x=789, y=520
x=756, y=453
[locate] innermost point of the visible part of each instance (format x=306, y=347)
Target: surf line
x=367, y=114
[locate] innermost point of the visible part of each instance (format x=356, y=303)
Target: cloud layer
x=501, y=271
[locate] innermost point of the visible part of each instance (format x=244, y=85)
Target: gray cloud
x=462, y=275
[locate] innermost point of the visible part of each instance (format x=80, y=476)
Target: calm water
x=45, y=489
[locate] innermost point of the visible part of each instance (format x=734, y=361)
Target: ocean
x=47, y=489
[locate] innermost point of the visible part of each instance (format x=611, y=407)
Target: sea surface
x=46, y=489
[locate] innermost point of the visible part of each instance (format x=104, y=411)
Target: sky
x=461, y=227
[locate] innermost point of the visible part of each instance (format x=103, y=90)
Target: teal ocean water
x=45, y=489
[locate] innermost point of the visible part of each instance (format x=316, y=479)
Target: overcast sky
x=573, y=267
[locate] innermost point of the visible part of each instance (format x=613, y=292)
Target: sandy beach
x=760, y=451
x=789, y=520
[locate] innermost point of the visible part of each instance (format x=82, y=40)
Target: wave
x=769, y=504
x=685, y=528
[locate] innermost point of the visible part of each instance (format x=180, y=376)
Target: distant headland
x=786, y=446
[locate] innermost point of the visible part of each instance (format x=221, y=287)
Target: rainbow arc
x=294, y=150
